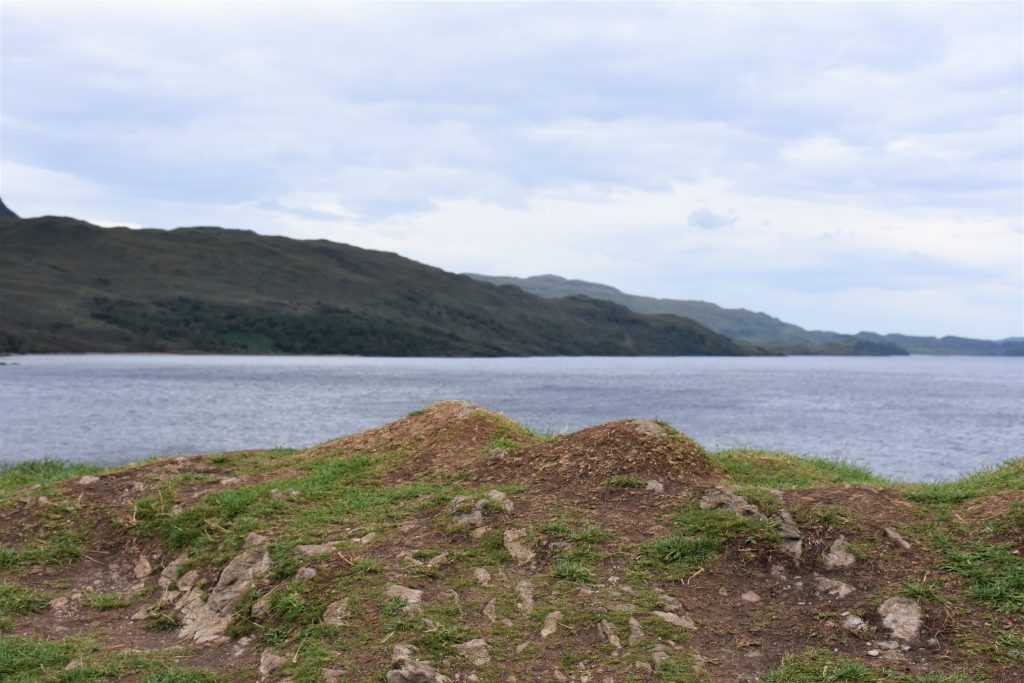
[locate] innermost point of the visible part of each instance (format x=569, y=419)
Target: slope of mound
x=443, y=437
x=624, y=450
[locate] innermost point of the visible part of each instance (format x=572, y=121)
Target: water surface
x=917, y=417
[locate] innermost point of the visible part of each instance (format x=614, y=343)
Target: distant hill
x=759, y=328
x=5, y=212
x=68, y=286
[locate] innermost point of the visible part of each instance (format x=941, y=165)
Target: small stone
x=606, y=629
x=491, y=610
x=513, y=540
x=276, y=494
x=550, y=624
x=483, y=577
x=228, y=481
x=636, y=632
x=902, y=616
x=317, y=549
x=142, y=568
x=655, y=486
x=524, y=589
x=411, y=596
x=58, y=603
x=669, y=603
x=838, y=554
x=305, y=573
x=500, y=500
x=475, y=650
x=521, y=647
x=270, y=661
x=368, y=538
x=336, y=612
x=559, y=676
x=790, y=537
x=332, y=676
x=88, y=480
x=873, y=653
x=895, y=537
x=852, y=622
x=750, y=596
x=676, y=620
x=474, y=518
x=437, y=560
x=823, y=584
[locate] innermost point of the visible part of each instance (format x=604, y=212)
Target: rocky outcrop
x=902, y=616
x=206, y=620
x=407, y=669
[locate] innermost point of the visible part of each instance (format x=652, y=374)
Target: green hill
x=68, y=286
x=762, y=329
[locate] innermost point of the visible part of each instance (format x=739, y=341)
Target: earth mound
x=633, y=449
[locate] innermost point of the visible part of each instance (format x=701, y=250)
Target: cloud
x=561, y=137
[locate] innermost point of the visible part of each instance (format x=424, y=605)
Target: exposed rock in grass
x=483, y=577
x=895, y=537
x=838, y=554
x=902, y=616
x=524, y=589
x=674, y=619
x=407, y=669
x=336, y=613
x=475, y=650
x=513, y=540
x=834, y=587
x=550, y=624
x=411, y=596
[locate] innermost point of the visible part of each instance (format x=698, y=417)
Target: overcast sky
x=841, y=166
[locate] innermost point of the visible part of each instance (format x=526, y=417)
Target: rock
x=332, y=676
x=88, y=480
x=750, y=596
x=460, y=504
x=270, y=661
x=475, y=650
x=895, y=537
x=647, y=427
x=524, y=589
x=513, y=539
x=229, y=481
x=336, y=612
x=669, y=603
x=206, y=621
x=851, y=622
x=142, y=568
x=521, y=647
x=496, y=499
x=721, y=498
x=305, y=573
x=170, y=573
x=559, y=676
x=483, y=577
x=873, y=653
x=643, y=666
x=491, y=610
x=902, y=616
x=368, y=538
x=318, y=549
x=59, y=603
x=412, y=597
x=606, y=629
x=406, y=669
x=550, y=624
x=676, y=620
x=636, y=632
x=474, y=518
x=823, y=584
x=261, y=607
x=655, y=486
x=437, y=560
x=838, y=554
x=790, y=537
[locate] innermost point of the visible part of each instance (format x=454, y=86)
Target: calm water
x=915, y=417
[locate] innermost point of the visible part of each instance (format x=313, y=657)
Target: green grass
x=780, y=470
x=821, y=666
x=995, y=573
x=15, y=477
x=572, y=569
x=30, y=660
x=626, y=482
x=56, y=534
x=17, y=599
x=1006, y=477
x=105, y=601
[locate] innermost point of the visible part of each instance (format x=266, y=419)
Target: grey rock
x=475, y=650
x=483, y=577
x=606, y=629
x=790, y=537
x=655, y=486
x=317, y=549
x=838, y=554
x=407, y=669
x=412, y=596
x=336, y=613
x=550, y=624
x=895, y=537
x=491, y=610
x=270, y=661
x=839, y=589
x=902, y=616
x=750, y=596
x=88, y=480
x=524, y=589
x=636, y=632
x=721, y=498
x=513, y=540
x=674, y=619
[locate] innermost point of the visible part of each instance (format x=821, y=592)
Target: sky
x=840, y=166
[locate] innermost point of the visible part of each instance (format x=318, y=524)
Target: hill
x=68, y=286
x=762, y=329
x=456, y=545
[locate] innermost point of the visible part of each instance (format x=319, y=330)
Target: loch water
x=916, y=417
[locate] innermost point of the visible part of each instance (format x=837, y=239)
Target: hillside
x=68, y=286
x=760, y=328
x=456, y=545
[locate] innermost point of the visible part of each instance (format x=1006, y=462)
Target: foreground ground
x=455, y=544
